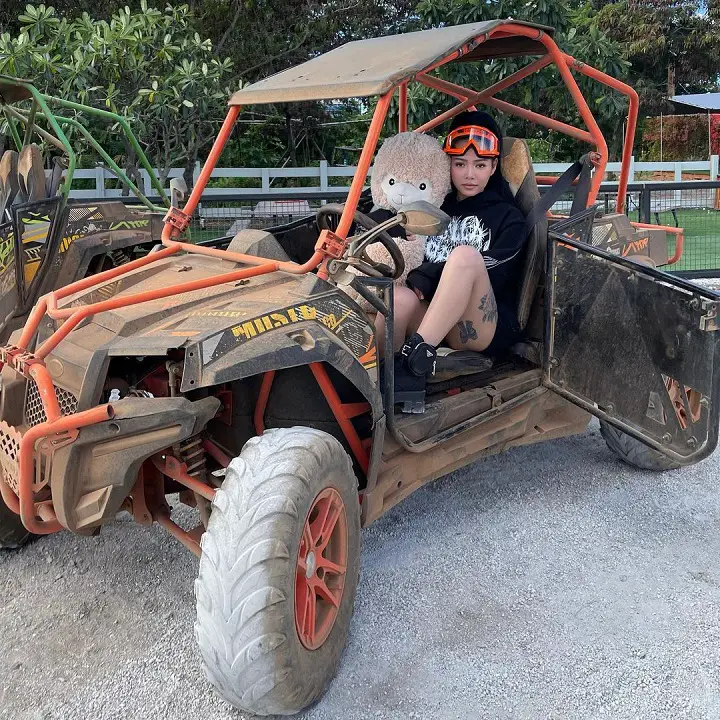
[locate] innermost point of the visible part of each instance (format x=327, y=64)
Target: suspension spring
x=192, y=453
x=119, y=257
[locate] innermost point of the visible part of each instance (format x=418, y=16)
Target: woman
x=465, y=291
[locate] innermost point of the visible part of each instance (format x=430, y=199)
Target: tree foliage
x=672, y=46
x=576, y=31
x=150, y=66
x=170, y=72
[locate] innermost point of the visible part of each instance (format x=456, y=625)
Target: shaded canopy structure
x=710, y=102
x=378, y=67
x=385, y=67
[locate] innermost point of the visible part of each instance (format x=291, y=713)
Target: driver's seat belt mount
x=581, y=168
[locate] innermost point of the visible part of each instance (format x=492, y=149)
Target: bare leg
x=407, y=314
x=463, y=309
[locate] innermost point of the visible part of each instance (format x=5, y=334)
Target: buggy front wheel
x=279, y=570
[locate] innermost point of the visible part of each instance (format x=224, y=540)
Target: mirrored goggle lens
x=483, y=140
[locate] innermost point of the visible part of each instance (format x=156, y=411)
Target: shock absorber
x=120, y=257
x=192, y=453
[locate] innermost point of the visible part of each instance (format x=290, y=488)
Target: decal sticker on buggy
x=251, y=328
x=332, y=312
x=34, y=229
x=86, y=220
x=219, y=313
x=129, y=224
x=635, y=247
x=7, y=258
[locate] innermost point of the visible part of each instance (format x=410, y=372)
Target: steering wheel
x=364, y=263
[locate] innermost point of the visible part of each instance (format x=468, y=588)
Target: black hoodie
x=490, y=222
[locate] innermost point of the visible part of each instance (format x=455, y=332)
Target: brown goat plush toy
x=408, y=167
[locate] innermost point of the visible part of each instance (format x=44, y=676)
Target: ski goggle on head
x=481, y=139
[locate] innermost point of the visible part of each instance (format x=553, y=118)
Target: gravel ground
x=709, y=283
x=550, y=582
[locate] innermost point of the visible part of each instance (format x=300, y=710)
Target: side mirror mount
x=423, y=218
x=178, y=191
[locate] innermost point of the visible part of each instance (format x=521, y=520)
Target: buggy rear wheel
x=634, y=452
x=12, y=532
x=279, y=570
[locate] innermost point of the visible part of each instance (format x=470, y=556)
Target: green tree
x=150, y=66
x=672, y=46
x=264, y=37
x=10, y=10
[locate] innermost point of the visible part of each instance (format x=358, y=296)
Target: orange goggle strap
x=481, y=139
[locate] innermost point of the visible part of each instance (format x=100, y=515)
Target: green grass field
x=197, y=234
x=701, y=250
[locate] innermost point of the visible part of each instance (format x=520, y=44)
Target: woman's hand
x=418, y=293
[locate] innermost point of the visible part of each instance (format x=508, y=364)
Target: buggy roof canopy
x=372, y=67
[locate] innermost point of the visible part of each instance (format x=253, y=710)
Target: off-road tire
x=634, y=452
x=245, y=590
x=12, y=532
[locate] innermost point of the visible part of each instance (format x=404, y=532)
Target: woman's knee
x=406, y=302
x=465, y=257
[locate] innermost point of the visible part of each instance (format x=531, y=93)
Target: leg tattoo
x=488, y=307
x=467, y=331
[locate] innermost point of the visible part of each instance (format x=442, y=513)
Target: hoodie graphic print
x=461, y=231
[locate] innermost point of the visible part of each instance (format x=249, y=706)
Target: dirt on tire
x=634, y=452
x=246, y=585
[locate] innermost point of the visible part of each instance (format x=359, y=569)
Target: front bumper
x=75, y=470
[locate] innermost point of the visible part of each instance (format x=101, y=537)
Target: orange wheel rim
x=321, y=568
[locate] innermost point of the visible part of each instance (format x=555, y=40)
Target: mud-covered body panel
x=636, y=347
x=219, y=335
x=92, y=476
x=614, y=234
x=227, y=329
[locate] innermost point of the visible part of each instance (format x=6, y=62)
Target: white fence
x=324, y=173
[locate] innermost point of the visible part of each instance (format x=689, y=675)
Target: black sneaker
x=412, y=365
x=409, y=388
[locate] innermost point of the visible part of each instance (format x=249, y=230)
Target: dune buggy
x=246, y=380
x=47, y=239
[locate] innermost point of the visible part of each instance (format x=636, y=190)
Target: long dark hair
x=497, y=182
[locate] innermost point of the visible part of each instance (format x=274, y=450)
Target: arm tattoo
x=488, y=307
x=467, y=331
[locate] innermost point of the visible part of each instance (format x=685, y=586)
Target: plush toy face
x=410, y=167
x=400, y=193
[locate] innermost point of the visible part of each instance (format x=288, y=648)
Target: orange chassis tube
x=39, y=517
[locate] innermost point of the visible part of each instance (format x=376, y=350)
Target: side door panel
x=634, y=346
x=35, y=225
